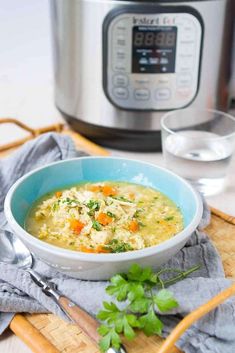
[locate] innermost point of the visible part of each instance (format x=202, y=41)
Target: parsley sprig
x=94, y=206
x=116, y=246
x=143, y=292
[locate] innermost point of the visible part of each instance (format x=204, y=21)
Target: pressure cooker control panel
x=151, y=60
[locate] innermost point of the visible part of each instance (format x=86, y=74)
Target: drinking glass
x=198, y=145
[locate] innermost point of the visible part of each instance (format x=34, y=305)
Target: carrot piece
x=102, y=249
x=133, y=226
x=58, y=194
x=104, y=219
x=86, y=249
x=76, y=226
x=95, y=188
x=109, y=190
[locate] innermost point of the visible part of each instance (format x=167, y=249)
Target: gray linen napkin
x=214, y=333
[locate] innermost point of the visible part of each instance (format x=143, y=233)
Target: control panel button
x=163, y=94
x=187, y=33
x=121, y=41
x=186, y=48
x=163, y=80
x=142, y=81
x=121, y=26
x=120, y=54
x=184, y=80
x=142, y=94
x=185, y=63
x=121, y=93
x=120, y=80
x=119, y=66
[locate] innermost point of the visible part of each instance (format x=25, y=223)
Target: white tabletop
x=26, y=93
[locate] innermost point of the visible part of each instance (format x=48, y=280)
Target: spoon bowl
x=13, y=251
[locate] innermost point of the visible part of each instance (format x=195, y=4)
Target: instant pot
x=120, y=65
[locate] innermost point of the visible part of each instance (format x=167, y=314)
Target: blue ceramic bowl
x=69, y=172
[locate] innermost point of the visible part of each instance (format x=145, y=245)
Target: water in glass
x=201, y=157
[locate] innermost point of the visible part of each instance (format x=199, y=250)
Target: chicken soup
x=105, y=217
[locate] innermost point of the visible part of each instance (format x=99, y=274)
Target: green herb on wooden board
x=143, y=291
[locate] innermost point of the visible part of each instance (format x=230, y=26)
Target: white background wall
x=26, y=74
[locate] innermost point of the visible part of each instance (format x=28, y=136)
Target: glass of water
x=198, y=145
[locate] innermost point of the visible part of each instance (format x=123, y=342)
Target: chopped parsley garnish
x=170, y=218
x=141, y=224
x=94, y=206
x=138, y=212
x=96, y=225
x=116, y=246
x=70, y=201
x=110, y=214
x=56, y=206
x=121, y=198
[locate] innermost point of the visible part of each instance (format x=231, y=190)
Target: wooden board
x=69, y=338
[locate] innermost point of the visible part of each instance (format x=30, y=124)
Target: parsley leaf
x=136, y=273
x=119, y=287
x=110, y=312
x=103, y=330
x=140, y=305
x=111, y=338
x=151, y=324
x=165, y=301
x=135, y=290
x=96, y=225
x=94, y=206
x=127, y=329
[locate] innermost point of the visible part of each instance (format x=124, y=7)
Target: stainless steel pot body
x=79, y=40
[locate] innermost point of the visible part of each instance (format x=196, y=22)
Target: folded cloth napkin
x=214, y=333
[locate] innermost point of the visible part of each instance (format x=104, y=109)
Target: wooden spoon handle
x=193, y=317
x=31, y=336
x=86, y=322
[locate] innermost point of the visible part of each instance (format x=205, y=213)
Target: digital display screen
x=153, y=49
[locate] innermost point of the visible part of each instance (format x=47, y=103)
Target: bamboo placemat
x=69, y=338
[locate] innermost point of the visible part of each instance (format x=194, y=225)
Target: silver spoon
x=14, y=252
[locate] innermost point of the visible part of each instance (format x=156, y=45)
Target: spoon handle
x=87, y=323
